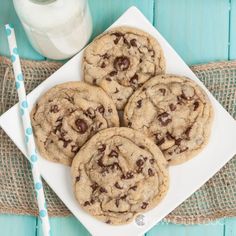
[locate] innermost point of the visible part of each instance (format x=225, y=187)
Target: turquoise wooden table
x=200, y=31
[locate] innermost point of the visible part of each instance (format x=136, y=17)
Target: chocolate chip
x=134, y=79
x=141, y=146
x=118, y=186
x=71, y=110
x=108, y=222
x=152, y=161
x=159, y=139
x=117, y=202
x=35, y=110
x=105, y=56
x=54, y=109
x=100, y=163
x=86, y=203
x=180, y=100
x=102, y=148
x=123, y=197
x=139, y=103
x=65, y=142
x=113, y=153
x=139, y=170
x=90, y=113
x=112, y=73
x=144, y=205
x=126, y=42
x=58, y=127
x=128, y=175
x=94, y=81
x=121, y=63
x=118, y=36
x=103, y=65
x=150, y=172
x=187, y=131
x=140, y=60
x=117, y=90
x=102, y=190
x=94, y=186
x=116, y=40
x=178, y=141
x=144, y=89
x=164, y=118
x=108, y=79
x=196, y=105
x=133, y=187
x=99, y=125
x=129, y=124
x=139, y=162
x=183, y=149
x=169, y=135
x=172, y=107
x=77, y=179
x=145, y=158
x=170, y=152
x=110, y=110
x=81, y=126
x=152, y=53
x=119, y=99
x=163, y=91
x=70, y=98
x=92, y=201
x=133, y=42
x=74, y=148
x=101, y=109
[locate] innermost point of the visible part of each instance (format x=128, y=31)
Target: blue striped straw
x=28, y=133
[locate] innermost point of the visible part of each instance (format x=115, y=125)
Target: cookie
x=118, y=173
x=67, y=115
x=175, y=113
x=121, y=60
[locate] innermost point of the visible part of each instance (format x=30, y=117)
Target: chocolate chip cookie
x=118, y=173
x=67, y=115
x=174, y=112
x=121, y=60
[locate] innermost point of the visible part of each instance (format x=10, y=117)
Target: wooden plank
x=230, y=227
x=8, y=15
x=198, y=30
x=61, y=226
x=164, y=229
x=232, y=53
x=12, y=225
x=105, y=12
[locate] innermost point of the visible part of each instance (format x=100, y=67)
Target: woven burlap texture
x=215, y=199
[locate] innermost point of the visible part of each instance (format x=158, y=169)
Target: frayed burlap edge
x=173, y=217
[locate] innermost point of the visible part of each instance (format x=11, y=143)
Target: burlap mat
x=215, y=199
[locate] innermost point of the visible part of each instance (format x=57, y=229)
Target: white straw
x=28, y=134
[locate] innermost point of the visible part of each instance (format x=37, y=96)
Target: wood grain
x=164, y=229
x=64, y=226
x=105, y=12
x=12, y=225
x=232, y=34
x=197, y=30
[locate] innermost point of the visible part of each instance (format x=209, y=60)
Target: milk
x=57, y=29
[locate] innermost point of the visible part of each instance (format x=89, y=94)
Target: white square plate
x=184, y=179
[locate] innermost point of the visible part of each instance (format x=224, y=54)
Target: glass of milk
x=57, y=29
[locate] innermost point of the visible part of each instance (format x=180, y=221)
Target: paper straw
x=28, y=134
